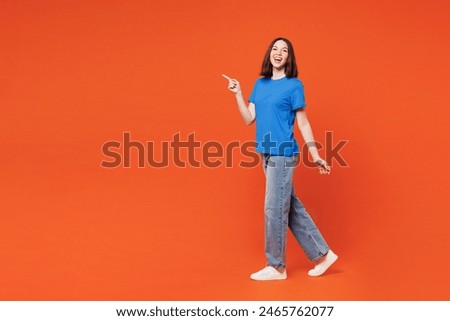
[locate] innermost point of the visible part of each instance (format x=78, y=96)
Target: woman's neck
x=278, y=73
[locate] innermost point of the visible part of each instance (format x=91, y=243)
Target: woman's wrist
x=313, y=152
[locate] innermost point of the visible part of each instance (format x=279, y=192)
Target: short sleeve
x=298, y=97
x=252, y=97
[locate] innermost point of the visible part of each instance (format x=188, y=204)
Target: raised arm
x=308, y=137
x=247, y=112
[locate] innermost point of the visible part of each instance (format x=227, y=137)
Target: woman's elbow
x=249, y=121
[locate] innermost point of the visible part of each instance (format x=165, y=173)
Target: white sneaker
x=268, y=273
x=320, y=268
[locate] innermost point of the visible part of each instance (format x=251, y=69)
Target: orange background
x=75, y=74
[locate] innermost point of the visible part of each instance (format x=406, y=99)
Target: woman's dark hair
x=291, y=66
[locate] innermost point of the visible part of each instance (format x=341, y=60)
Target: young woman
x=277, y=100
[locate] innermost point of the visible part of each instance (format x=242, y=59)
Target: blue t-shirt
x=276, y=102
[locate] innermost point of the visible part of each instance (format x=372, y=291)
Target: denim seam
x=281, y=212
x=317, y=246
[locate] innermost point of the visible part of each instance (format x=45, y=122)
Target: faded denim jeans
x=282, y=209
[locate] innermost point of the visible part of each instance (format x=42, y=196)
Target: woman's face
x=279, y=54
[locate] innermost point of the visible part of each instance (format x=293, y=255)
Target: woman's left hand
x=324, y=168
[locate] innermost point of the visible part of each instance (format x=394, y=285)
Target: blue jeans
x=282, y=209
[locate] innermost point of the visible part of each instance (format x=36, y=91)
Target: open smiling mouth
x=277, y=60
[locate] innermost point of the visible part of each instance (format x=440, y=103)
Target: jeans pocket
x=291, y=161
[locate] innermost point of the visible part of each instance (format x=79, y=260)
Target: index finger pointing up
x=226, y=77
